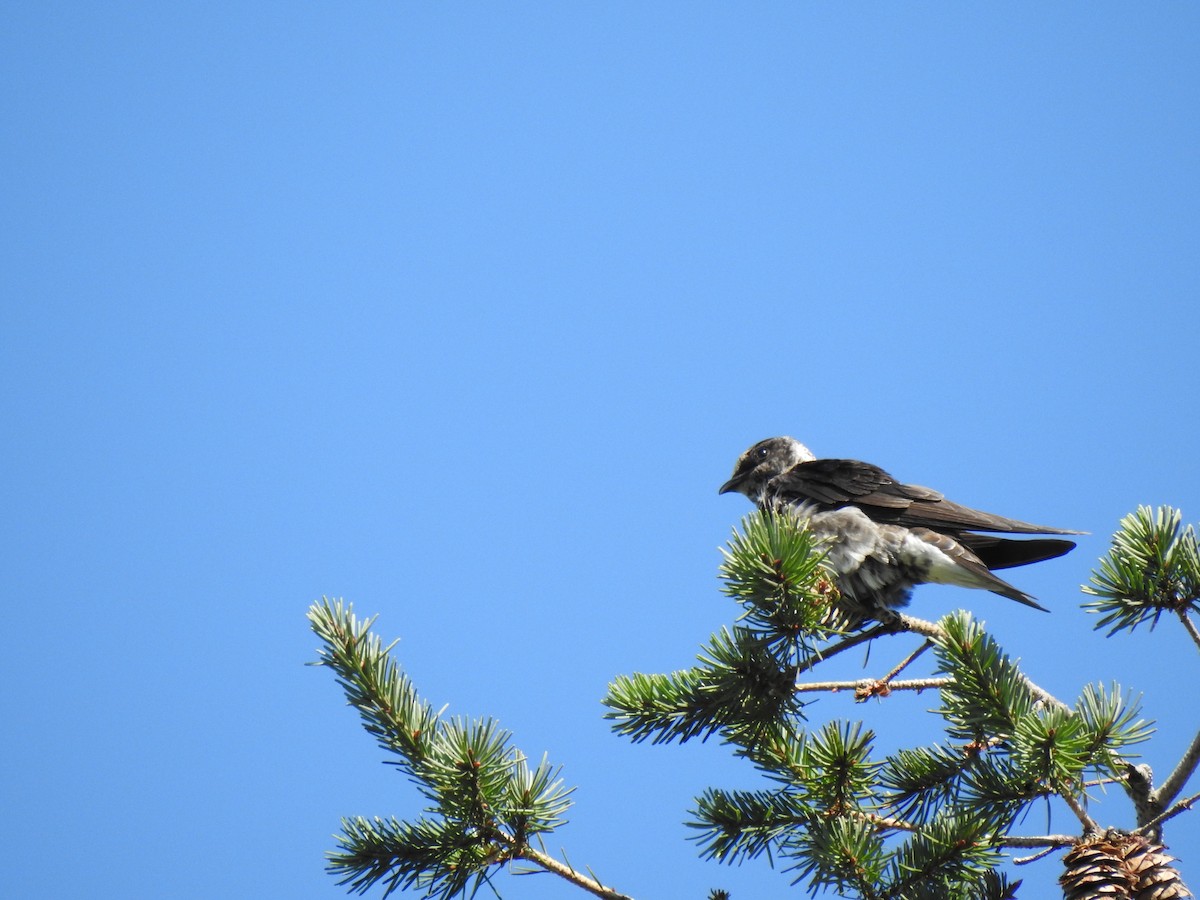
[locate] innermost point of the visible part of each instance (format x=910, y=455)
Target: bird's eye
x=761, y=453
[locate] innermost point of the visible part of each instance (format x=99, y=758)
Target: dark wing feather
x=1003, y=553
x=832, y=483
x=953, y=518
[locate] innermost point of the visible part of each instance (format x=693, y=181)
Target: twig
x=550, y=864
x=1033, y=857
x=1039, y=840
x=849, y=643
x=1154, y=825
x=1173, y=785
x=890, y=622
x=1089, y=824
x=1048, y=842
x=918, y=626
x=907, y=661
x=869, y=687
x=934, y=631
x=885, y=822
x=1044, y=695
x=1189, y=625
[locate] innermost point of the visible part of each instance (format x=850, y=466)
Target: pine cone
x=1116, y=866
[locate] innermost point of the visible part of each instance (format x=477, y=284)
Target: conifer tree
x=933, y=820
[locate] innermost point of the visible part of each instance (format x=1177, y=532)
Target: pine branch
x=1111, y=724
x=1153, y=567
x=773, y=567
x=988, y=693
x=951, y=850
x=843, y=853
x=936, y=632
x=926, y=823
x=742, y=687
x=739, y=825
x=918, y=781
x=487, y=802
x=384, y=696
x=1021, y=743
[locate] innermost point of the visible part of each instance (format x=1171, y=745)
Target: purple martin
x=883, y=537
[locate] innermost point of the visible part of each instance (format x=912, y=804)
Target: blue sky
x=463, y=312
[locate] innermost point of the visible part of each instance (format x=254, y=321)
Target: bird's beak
x=732, y=484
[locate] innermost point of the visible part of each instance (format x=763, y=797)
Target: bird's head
x=762, y=462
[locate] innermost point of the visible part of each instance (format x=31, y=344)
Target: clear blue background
x=463, y=312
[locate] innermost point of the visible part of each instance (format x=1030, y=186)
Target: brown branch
x=1188, y=625
x=563, y=870
x=1171, y=788
x=1047, y=842
x=1033, y=857
x=1038, y=840
x=848, y=644
x=917, y=626
x=1154, y=826
x=1139, y=785
x=934, y=631
x=1089, y=824
x=907, y=661
x=891, y=824
x=872, y=687
x=890, y=622
x=1044, y=695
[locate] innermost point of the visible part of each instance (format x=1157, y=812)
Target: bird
x=883, y=537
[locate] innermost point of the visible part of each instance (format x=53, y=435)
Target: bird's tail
x=1004, y=553
x=1004, y=589
x=973, y=556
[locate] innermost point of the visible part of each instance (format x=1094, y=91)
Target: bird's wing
x=837, y=482
x=830, y=483
x=1004, y=553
